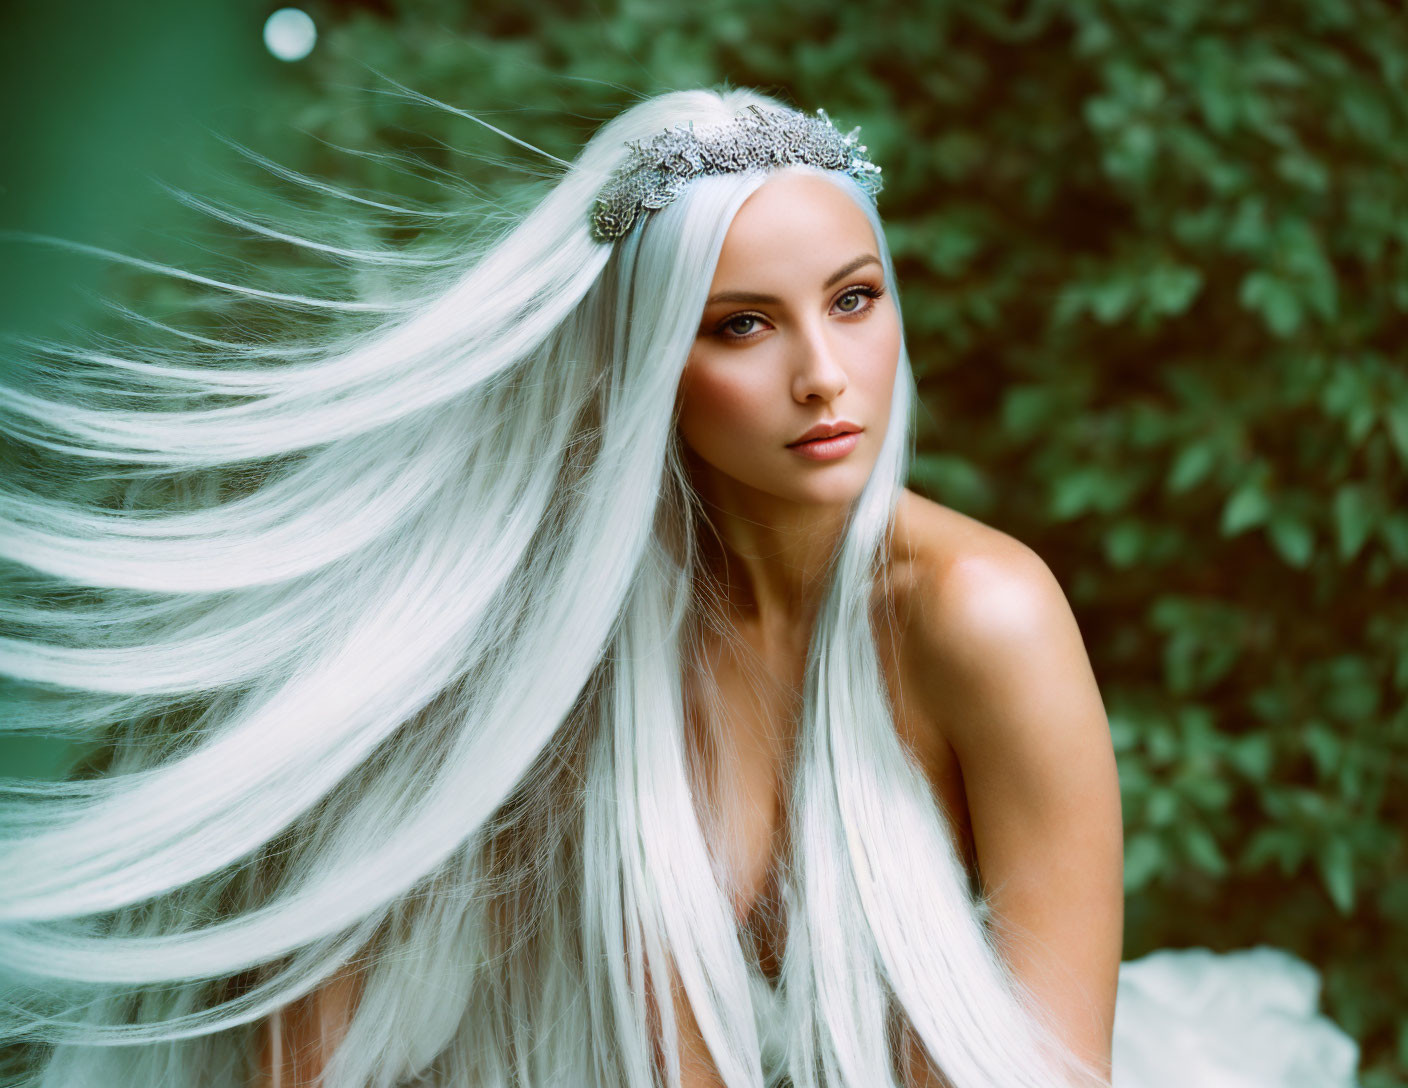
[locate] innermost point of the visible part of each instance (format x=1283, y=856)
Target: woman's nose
x=818, y=372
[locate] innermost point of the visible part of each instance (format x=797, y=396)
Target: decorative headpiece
x=656, y=171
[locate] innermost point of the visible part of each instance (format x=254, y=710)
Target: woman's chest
x=747, y=762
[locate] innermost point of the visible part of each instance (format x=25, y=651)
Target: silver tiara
x=656, y=172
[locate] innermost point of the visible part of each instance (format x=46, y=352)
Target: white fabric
x=1192, y=1018
x=1243, y=1019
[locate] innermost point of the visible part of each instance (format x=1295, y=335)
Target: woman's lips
x=827, y=449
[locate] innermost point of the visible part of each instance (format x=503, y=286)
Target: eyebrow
x=751, y=298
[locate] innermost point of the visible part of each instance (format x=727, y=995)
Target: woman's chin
x=831, y=486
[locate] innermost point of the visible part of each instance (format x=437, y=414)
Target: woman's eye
x=857, y=294
x=745, y=326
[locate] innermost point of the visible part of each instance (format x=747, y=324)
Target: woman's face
x=798, y=331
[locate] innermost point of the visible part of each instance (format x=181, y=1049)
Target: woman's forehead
x=794, y=224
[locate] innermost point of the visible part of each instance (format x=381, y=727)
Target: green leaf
x=1396, y=423
x=1246, y=507
x=1303, y=170
x=1124, y=730
x=1251, y=754
x=1172, y=288
x=1209, y=794
x=1393, y=530
x=1274, y=843
x=1274, y=299
x=1216, y=84
x=1076, y=491
x=1203, y=850
x=1028, y=409
x=1162, y=743
x=1112, y=299
x=1352, y=694
x=1192, y=465
x=1354, y=519
x=1351, y=395
x=1248, y=232
x=1161, y=806
x=1292, y=538
x=1325, y=748
x=1123, y=543
x=954, y=244
x=1336, y=864
x=1302, y=254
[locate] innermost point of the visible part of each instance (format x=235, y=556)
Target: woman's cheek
x=877, y=372
x=717, y=409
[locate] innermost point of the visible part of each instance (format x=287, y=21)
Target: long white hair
x=381, y=632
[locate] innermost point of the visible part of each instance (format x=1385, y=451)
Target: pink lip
x=827, y=449
x=827, y=430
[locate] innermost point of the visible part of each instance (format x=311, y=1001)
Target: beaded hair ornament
x=656, y=171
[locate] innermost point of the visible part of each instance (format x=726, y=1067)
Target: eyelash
x=873, y=293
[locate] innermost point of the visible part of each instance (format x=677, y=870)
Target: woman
x=550, y=636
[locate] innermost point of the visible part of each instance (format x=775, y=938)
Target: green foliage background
x=1154, y=264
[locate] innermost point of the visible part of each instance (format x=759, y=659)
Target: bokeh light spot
x=289, y=34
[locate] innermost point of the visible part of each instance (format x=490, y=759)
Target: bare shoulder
x=972, y=605
x=941, y=558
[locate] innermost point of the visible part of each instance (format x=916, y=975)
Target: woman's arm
x=1007, y=675
x=296, y=1043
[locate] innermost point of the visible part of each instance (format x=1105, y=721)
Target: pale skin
x=985, y=663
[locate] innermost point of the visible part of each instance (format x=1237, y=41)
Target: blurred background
x=1154, y=265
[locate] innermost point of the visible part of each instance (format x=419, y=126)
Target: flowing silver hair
x=381, y=630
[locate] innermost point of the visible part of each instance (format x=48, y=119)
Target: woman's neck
x=767, y=559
